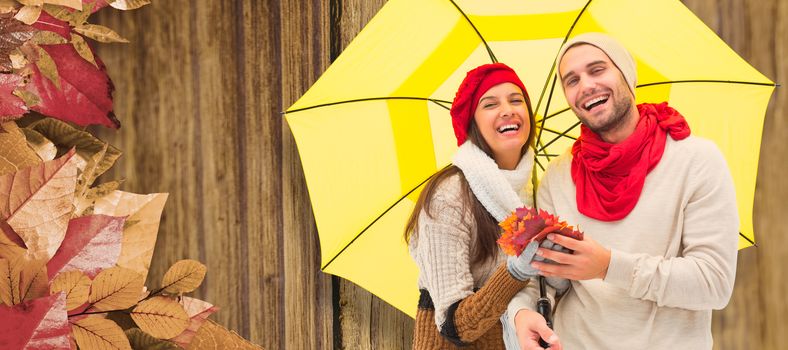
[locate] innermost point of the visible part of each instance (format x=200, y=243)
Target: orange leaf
x=76, y=286
x=184, y=276
x=213, y=336
x=116, y=288
x=99, y=333
x=139, y=238
x=5, y=282
x=45, y=188
x=161, y=317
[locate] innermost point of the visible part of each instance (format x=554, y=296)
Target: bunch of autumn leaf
x=74, y=256
x=47, y=64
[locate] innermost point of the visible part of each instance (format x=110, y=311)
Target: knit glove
x=520, y=266
x=561, y=285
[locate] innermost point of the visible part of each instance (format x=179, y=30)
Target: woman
x=465, y=285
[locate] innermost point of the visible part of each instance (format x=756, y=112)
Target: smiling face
x=504, y=122
x=597, y=92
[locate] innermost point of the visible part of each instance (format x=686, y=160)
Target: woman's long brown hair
x=487, y=231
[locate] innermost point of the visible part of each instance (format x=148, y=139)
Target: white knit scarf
x=500, y=191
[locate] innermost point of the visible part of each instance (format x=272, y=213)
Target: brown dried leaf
x=142, y=340
x=13, y=34
x=83, y=49
x=28, y=14
x=45, y=188
x=99, y=33
x=213, y=336
x=84, y=205
x=47, y=66
x=184, y=276
x=74, y=4
x=140, y=238
x=14, y=151
x=6, y=284
x=6, y=6
x=116, y=288
x=10, y=249
x=160, y=317
x=87, y=146
x=45, y=37
x=76, y=286
x=99, y=333
x=128, y=4
x=45, y=149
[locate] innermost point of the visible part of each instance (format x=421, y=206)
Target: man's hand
x=531, y=326
x=590, y=260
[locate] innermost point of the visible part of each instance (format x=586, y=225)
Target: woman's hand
x=530, y=326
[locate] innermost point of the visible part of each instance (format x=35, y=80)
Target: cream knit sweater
x=673, y=257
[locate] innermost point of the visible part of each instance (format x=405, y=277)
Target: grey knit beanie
x=612, y=48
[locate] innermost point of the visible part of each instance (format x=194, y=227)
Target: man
x=658, y=210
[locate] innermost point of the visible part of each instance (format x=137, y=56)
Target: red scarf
x=609, y=177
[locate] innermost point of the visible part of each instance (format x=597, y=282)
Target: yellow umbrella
x=375, y=127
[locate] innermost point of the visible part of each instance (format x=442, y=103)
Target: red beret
x=475, y=84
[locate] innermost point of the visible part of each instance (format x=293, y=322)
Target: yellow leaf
x=33, y=281
x=138, y=239
x=83, y=49
x=116, y=288
x=87, y=146
x=99, y=33
x=45, y=37
x=47, y=66
x=18, y=61
x=5, y=282
x=99, y=333
x=142, y=340
x=31, y=2
x=30, y=99
x=14, y=151
x=28, y=14
x=213, y=336
x=184, y=276
x=76, y=286
x=60, y=12
x=160, y=317
x=74, y=4
x=128, y=4
x=45, y=188
x=45, y=149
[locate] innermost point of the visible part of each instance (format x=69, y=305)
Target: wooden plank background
x=199, y=92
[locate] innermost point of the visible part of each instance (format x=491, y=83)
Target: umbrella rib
x=560, y=133
x=559, y=136
x=489, y=50
x=707, y=81
x=378, y=218
x=552, y=68
x=748, y=239
x=436, y=101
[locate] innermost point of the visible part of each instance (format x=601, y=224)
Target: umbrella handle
x=543, y=308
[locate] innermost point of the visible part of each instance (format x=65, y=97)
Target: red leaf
x=11, y=107
x=92, y=243
x=198, y=312
x=98, y=4
x=85, y=96
x=35, y=324
x=48, y=23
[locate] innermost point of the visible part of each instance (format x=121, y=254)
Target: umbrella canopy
x=376, y=126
